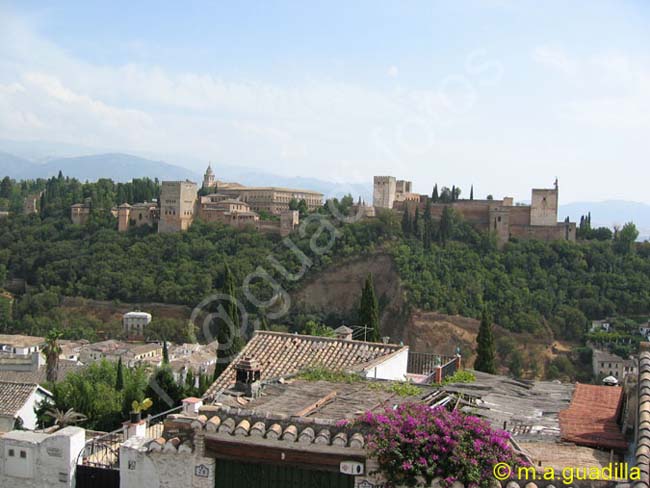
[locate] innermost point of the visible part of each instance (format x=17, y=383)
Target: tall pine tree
x=369, y=311
x=471, y=193
x=228, y=328
x=485, y=351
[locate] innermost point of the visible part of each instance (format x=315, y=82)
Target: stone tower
x=208, y=178
x=384, y=189
x=499, y=218
x=544, y=206
x=123, y=214
x=177, y=205
x=289, y=220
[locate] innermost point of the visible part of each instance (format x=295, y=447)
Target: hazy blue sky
x=501, y=94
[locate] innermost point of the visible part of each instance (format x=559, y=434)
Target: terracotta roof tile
x=13, y=396
x=280, y=354
x=591, y=419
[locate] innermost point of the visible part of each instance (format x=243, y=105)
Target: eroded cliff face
x=337, y=289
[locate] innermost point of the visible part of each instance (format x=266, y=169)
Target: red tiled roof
x=591, y=419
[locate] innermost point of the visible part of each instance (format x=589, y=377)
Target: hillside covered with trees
x=444, y=265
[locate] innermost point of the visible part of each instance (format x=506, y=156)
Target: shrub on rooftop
x=414, y=443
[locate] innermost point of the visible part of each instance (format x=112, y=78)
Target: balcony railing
x=103, y=451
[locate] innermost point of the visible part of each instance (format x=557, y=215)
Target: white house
x=20, y=345
x=644, y=330
x=38, y=460
x=600, y=326
x=17, y=404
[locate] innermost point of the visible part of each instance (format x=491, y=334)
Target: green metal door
x=234, y=474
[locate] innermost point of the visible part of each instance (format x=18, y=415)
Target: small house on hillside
x=607, y=364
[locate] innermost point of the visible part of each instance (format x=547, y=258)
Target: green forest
x=547, y=289
x=444, y=265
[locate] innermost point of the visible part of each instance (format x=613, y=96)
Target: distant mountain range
x=611, y=213
x=32, y=164
x=124, y=167
x=119, y=167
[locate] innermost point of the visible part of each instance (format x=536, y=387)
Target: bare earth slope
x=338, y=289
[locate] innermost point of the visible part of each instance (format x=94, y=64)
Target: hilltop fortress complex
x=539, y=220
x=233, y=204
x=181, y=202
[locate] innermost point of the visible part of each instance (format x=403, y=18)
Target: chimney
x=191, y=405
x=135, y=429
x=344, y=333
x=248, y=375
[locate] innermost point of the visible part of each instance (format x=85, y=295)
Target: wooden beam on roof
x=316, y=405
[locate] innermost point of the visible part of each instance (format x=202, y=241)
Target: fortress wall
x=520, y=215
x=557, y=232
x=474, y=212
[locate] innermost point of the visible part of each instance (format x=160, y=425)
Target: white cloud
x=612, y=89
x=393, y=71
x=137, y=107
x=555, y=58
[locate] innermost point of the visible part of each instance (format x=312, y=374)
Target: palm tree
x=63, y=419
x=52, y=350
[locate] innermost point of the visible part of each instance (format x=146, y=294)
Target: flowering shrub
x=414, y=442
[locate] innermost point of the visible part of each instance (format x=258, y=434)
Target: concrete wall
x=142, y=469
x=393, y=368
x=40, y=460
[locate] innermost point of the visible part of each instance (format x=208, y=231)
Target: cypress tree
x=6, y=187
x=471, y=193
x=406, y=221
x=453, y=193
x=228, y=333
x=119, y=381
x=434, y=196
x=446, y=225
x=416, y=221
x=189, y=383
x=369, y=311
x=428, y=227
x=165, y=353
x=485, y=351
